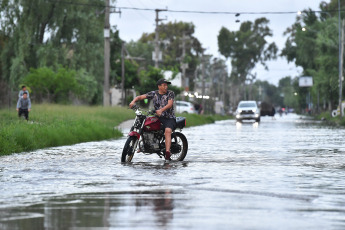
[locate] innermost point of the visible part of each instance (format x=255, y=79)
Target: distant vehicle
x=266, y=109
x=184, y=107
x=247, y=110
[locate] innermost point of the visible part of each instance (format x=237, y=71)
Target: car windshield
x=247, y=104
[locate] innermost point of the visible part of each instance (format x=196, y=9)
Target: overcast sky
x=132, y=24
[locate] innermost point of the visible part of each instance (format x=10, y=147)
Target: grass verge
x=327, y=117
x=56, y=125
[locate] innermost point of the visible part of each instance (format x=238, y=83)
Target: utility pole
x=157, y=36
x=184, y=66
x=341, y=38
x=224, y=82
x=203, y=82
x=106, y=98
x=341, y=69
x=123, y=74
x=106, y=88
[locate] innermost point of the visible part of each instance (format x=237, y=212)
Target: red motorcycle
x=147, y=136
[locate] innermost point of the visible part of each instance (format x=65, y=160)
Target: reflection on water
x=246, y=123
x=153, y=208
x=286, y=173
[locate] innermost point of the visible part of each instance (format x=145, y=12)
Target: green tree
x=266, y=92
x=87, y=86
x=247, y=47
x=49, y=34
x=171, y=36
x=285, y=86
x=41, y=81
x=312, y=44
x=142, y=50
x=131, y=66
x=148, y=81
x=60, y=85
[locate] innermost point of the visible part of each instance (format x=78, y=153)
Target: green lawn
x=56, y=125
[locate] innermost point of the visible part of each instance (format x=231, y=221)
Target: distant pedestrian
x=197, y=107
x=273, y=112
x=24, y=106
x=21, y=92
x=280, y=111
x=201, y=109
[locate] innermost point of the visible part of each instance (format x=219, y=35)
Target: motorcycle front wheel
x=179, y=146
x=129, y=149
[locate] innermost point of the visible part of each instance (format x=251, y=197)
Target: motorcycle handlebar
x=135, y=107
x=149, y=112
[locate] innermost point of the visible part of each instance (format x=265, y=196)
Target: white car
x=184, y=107
x=247, y=110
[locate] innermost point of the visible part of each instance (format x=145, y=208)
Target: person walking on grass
x=163, y=100
x=24, y=106
x=21, y=92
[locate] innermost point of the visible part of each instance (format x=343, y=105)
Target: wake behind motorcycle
x=147, y=136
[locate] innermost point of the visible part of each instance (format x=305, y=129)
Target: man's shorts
x=168, y=122
x=25, y=112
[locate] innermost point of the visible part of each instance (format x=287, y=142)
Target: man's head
x=162, y=80
x=25, y=95
x=163, y=85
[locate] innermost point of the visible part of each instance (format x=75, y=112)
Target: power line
x=225, y=12
x=192, y=11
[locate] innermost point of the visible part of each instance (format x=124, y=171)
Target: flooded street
x=287, y=173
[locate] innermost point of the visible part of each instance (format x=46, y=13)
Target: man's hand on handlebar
x=131, y=104
x=134, y=107
x=152, y=112
x=159, y=112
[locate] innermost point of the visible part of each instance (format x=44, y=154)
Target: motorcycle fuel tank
x=152, y=124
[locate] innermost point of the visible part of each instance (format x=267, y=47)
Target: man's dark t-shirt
x=161, y=100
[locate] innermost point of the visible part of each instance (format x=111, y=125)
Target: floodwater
x=287, y=173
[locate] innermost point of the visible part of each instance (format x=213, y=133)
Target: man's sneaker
x=167, y=156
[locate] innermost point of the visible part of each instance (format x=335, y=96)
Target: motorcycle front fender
x=134, y=134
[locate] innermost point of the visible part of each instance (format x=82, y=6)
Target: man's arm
x=168, y=106
x=29, y=105
x=18, y=104
x=138, y=98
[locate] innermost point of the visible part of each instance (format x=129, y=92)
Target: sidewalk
x=125, y=125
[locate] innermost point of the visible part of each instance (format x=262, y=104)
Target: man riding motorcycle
x=163, y=100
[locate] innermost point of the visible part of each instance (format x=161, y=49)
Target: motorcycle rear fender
x=134, y=134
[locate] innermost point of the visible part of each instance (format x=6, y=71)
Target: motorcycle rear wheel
x=129, y=149
x=179, y=146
